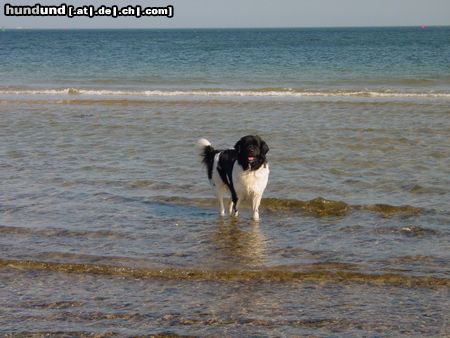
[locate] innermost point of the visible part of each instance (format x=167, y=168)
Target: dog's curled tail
x=205, y=150
x=202, y=143
x=207, y=153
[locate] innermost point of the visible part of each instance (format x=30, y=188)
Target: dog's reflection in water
x=239, y=243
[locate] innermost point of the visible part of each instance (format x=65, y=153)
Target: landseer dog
x=243, y=171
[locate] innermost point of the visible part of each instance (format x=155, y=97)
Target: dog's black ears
x=237, y=146
x=264, y=147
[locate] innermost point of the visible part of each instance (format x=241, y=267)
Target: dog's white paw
x=255, y=216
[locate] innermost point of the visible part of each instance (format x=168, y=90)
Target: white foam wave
x=225, y=93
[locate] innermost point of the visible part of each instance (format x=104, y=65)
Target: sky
x=248, y=13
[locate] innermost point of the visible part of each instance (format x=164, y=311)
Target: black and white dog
x=243, y=171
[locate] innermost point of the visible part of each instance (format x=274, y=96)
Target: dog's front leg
x=235, y=201
x=256, y=201
x=236, y=208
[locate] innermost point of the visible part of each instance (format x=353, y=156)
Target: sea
x=108, y=225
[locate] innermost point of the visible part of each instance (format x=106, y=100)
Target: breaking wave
x=264, y=92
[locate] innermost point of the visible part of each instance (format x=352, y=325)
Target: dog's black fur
x=251, y=146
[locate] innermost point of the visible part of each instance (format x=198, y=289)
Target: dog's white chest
x=250, y=182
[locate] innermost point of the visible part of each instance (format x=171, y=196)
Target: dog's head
x=251, y=151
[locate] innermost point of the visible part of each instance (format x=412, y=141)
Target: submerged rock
x=323, y=207
x=318, y=206
x=389, y=210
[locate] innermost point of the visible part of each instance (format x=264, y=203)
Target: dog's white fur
x=248, y=184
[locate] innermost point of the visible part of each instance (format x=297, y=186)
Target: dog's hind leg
x=220, y=193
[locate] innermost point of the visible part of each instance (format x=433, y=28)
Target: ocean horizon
x=422, y=26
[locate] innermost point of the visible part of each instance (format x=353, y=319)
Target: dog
x=243, y=171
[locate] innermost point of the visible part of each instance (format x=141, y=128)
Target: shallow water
x=108, y=225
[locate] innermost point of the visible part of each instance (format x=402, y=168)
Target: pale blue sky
x=250, y=13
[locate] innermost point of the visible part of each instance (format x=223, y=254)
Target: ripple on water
x=315, y=272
